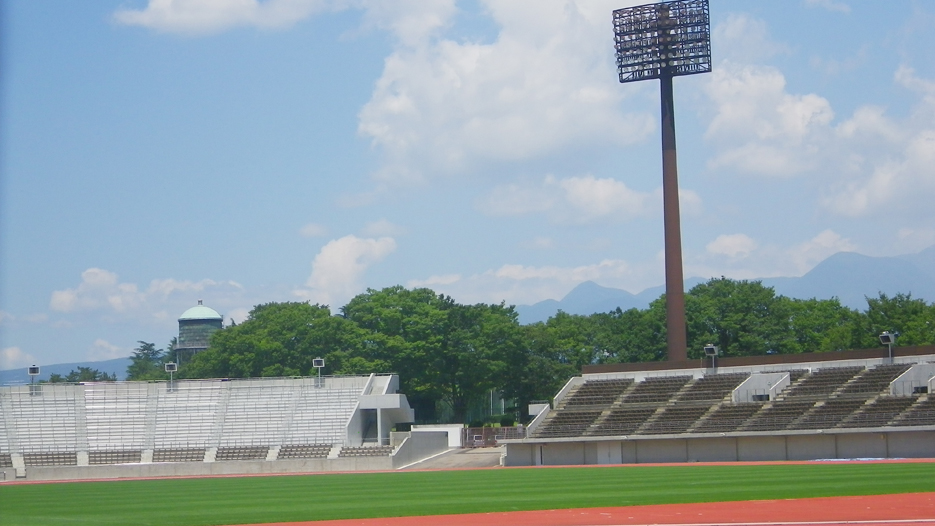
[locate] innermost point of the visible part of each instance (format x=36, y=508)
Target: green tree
x=742, y=318
x=442, y=350
x=823, y=325
x=83, y=374
x=280, y=339
x=146, y=363
x=912, y=318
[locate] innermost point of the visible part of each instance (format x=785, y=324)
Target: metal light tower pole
x=661, y=41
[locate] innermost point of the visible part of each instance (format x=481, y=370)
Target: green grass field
x=191, y=502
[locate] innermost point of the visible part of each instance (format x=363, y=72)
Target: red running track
x=908, y=509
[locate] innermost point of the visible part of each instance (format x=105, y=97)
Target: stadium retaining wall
x=417, y=446
x=882, y=443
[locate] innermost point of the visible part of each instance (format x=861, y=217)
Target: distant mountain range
x=117, y=366
x=846, y=275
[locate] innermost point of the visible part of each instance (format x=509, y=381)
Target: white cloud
x=761, y=129
x=104, y=350
x=539, y=243
x=5, y=317
x=863, y=165
x=238, y=315
x=14, y=357
x=732, y=245
x=412, y=22
x=738, y=256
x=580, y=200
x=830, y=5
x=338, y=269
x=101, y=291
x=432, y=281
x=743, y=38
x=808, y=254
x=527, y=284
x=382, y=228
x=541, y=86
x=313, y=230
x=198, y=17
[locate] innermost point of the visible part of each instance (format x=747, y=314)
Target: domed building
x=196, y=325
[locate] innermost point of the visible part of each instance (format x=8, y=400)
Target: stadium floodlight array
x=669, y=38
x=662, y=41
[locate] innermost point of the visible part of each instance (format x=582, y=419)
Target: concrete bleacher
x=198, y=421
x=304, y=451
x=823, y=382
x=597, y=392
x=567, y=424
x=366, y=451
x=880, y=412
x=656, y=389
x=922, y=413
x=42, y=418
x=845, y=403
x=727, y=418
x=179, y=455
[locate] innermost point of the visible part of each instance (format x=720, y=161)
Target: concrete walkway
x=484, y=457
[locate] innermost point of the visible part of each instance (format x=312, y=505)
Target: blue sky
x=241, y=152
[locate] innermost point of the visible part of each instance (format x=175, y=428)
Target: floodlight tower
x=661, y=41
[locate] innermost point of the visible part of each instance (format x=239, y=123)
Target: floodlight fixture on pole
x=318, y=363
x=889, y=339
x=171, y=368
x=661, y=41
x=712, y=351
x=33, y=372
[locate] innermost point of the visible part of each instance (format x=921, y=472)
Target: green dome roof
x=200, y=312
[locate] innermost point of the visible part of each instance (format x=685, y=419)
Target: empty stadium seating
x=880, y=413
x=366, y=451
x=304, y=451
x=823, y=382
x=115, y=457
x=712, y=387
x=241, y=453
x=656, y=389
x=727, y=418
x=823, y=398
x=922, y=413
x=178, y=455
x=185, y=421
x=623, y=421
x=567, y=424
x=597, y=392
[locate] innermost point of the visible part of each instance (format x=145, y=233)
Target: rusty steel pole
x=662, y=41
x=676, y=337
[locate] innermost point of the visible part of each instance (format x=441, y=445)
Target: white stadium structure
x=202, y=427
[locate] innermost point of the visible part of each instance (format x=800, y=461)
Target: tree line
x=451, y=353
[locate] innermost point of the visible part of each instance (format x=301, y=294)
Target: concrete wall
x=919, y=375
x=419, y=446
x=760, y=384
x=795, y=446
x=453, y=430
x=194, y=469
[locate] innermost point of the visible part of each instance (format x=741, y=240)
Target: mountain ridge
x=848, y=276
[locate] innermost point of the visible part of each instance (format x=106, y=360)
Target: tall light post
x=661, y=41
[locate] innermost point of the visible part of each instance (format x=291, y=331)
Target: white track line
x=801, y=523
